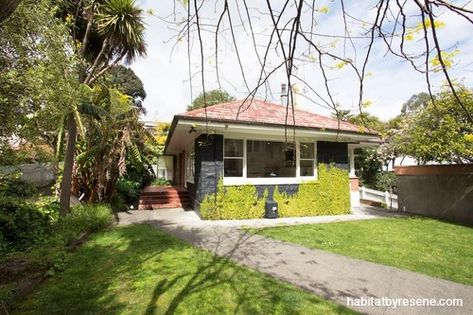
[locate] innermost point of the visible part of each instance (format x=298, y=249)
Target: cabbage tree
x=107, y=32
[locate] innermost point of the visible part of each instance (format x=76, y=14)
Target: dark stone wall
x=208, y=167
x=333, y=152
x=289, y=189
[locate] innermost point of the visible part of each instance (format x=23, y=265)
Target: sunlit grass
x=428, y=246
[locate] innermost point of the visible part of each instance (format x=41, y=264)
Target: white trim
x=235, y=181
x=244, y=180
x=226, y=128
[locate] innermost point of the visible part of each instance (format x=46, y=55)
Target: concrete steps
x=164, y=197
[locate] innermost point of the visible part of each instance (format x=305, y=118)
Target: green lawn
x=439, y=249
x=140, y=270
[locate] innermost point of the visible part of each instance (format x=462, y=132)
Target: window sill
x=235, y=181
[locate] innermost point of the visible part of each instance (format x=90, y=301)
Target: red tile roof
x=262, y=112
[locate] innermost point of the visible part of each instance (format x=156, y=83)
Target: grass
x=428, y=246
x=139, y=270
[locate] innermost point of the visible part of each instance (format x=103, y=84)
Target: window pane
x=233, y=168
x=307, y=150
x=233, y=148
x=270, y=159
x=307, y=167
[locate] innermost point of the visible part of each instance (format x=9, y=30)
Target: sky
x=390, y=83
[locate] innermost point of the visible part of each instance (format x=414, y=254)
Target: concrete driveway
x=331, y=276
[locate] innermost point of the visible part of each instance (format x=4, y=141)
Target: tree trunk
x=8, y=7
x=66, y=183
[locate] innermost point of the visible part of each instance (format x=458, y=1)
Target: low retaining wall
x=40, y=175
x=438, y=191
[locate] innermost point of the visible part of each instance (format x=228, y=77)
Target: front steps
x=164, y=197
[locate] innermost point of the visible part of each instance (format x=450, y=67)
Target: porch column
x=351, y=156
x=354, y=182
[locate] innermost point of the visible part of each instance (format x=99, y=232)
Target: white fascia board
x=242, y=130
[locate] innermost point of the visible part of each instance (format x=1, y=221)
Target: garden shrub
x=22, y=224
x=329, y=195
x=128, y=190
x=385, y=180
x=235, y=202
x=85, y=218
x=13, y=186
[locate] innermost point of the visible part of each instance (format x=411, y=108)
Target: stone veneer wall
x=208, y=167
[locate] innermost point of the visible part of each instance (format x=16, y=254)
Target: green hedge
x=328, y=195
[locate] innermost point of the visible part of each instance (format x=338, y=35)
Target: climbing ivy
x=328, y=195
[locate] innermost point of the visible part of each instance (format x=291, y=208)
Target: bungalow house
x=260, y=144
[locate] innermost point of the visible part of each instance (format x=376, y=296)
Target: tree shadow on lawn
x=137, y=269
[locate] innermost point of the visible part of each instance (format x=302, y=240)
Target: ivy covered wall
x=328, y=195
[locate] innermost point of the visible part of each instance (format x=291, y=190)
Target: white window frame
x=243, y=158
x=244, y=180
x=314, y=160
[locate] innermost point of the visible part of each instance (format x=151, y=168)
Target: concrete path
x=328, y=275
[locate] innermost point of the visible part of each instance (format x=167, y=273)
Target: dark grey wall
x=289, y=189
x=446, y=196
x=333, y=152
x=208, y=167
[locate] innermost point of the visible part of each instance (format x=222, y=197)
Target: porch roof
x=260, y=115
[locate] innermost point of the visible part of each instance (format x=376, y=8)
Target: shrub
x=48, y=205
x=128, y=190
x=161, y=182
x=237, y=202
x=22, y=224
x=384, y=181
x=329, y=195
x=13, y=186
x=85, y=218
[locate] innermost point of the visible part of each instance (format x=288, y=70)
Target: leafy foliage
x=127, y=82
x=439, y=131
x=329, y=195
x=110, y=146
x=38, y=77
x=211, y=98
x=237, y=202
x=384, y=181
x=22, y=224
x=12, y=185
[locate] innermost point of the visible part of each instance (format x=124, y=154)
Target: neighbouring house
x=261, y=144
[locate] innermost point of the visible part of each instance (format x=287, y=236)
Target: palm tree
x=118, y=27
x=8, y=7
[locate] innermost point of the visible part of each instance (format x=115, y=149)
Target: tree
x=126, y=81
x=416, y=101
x=38, y=77
x=342, y=114
x=291, y=35
x=107, y=32
x=210, y=98
x=440, y=131
x=8, y=7
x=108, y=143
x=369, y=121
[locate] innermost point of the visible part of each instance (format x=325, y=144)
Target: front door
x=181, y=169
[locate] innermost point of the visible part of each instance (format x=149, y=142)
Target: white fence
x=385, y=197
